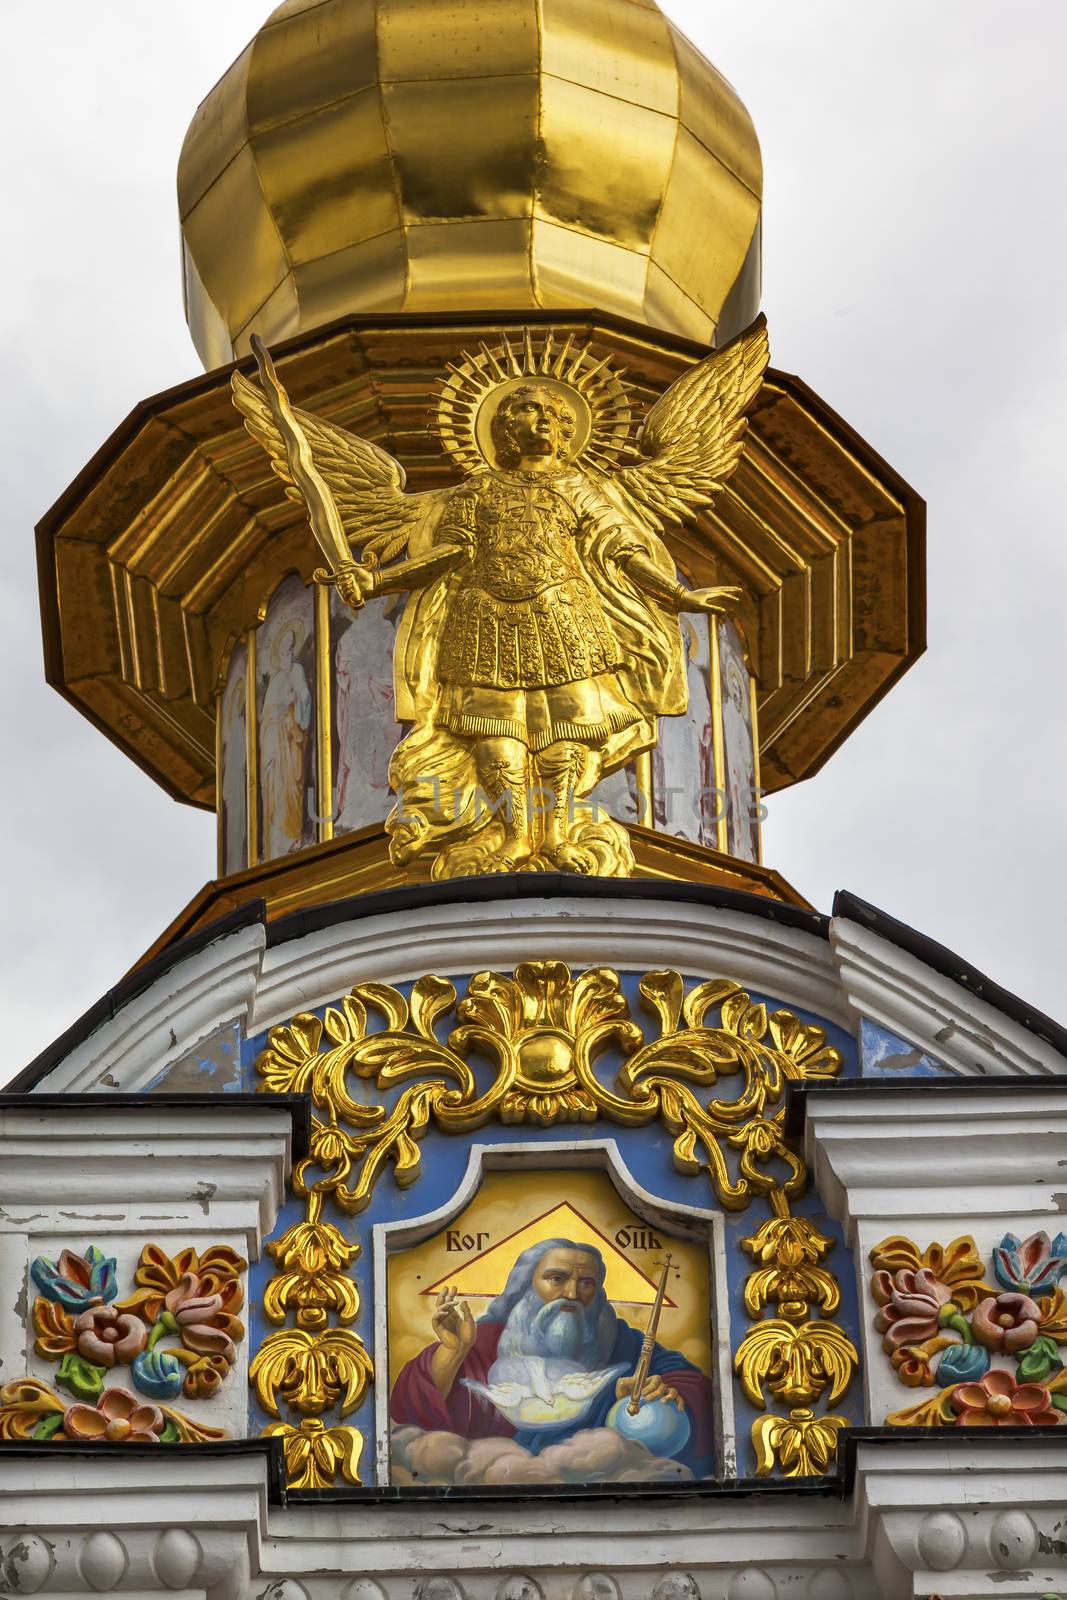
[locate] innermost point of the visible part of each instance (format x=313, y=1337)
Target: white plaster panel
x=934, y=1165
x=14, y=1337
x=885, y=1392
x=941, y=1518
x=163, y=1168
x=121, y=1178
x=64, y=1503
x=898, y=1155
x=228, y=1407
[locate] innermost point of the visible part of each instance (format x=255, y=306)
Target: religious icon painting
x=365, y=729
x=683, y=762
x=739, y=747
x=285, y=693
x=545, y=1340
x=233, y=758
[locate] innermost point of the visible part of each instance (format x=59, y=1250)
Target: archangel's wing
x=367, y=483
x=693, y=437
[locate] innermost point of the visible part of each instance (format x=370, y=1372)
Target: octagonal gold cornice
x=172, y=539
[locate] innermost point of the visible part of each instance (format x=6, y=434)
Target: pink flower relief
x=117, y=1415
x=109, y=1337
x=195, y=1314
x=996, y=1401
x=911, y=1305
x=1006, y=1323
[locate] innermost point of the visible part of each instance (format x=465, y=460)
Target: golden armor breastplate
x=522, y=612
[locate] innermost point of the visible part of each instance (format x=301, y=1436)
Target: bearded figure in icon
x=540, y=643
x=550, y=1357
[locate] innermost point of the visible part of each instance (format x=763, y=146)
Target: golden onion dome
x=468, y=155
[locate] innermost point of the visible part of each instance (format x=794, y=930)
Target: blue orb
x=659, y=1425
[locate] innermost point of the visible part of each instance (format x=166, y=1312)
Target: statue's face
x=566, y=1275
x=533, y=422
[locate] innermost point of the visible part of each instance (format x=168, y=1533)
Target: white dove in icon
x=534, y=1392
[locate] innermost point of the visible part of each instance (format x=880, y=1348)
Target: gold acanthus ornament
x=545, y=1031
x=795, y=1354
x=311, y=1371
x=315, y=1454
x=540, y=643
x=802, y=1444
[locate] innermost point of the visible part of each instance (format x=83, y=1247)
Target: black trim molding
x=839, y=1485
x=542, y=886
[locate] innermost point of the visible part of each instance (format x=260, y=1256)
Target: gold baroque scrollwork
x=547, y=1036
x=796, y=1363
x=545, y=1031
x=311, y=1278
x=789, y=1250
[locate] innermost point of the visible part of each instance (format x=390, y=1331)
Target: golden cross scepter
x=649, y=1343
x=323, y=515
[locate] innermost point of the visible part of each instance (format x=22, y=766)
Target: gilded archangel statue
x=540, y=642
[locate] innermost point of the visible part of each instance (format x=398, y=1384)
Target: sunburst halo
x=479, y=382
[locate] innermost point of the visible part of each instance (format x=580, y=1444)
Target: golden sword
x=323, y=515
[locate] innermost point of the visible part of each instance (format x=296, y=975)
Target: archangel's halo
x=470, y=155
x=480, y=382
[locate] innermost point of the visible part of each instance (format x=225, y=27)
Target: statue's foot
x=474, y=858
x=598, y=849
x=406, y=839
x=511, y=863
x=568, y=857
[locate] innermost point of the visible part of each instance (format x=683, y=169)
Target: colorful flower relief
x=176, y=1334
x=997, y=1349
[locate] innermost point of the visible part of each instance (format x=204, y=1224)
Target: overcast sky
x=914, y=276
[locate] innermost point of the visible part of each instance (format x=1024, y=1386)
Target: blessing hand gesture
x=453, y=1323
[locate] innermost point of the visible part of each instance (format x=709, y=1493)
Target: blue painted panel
x=214, y=1067
x=887, y=1055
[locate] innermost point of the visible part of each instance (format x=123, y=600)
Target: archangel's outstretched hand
x=717, y=602
x=355, y=584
